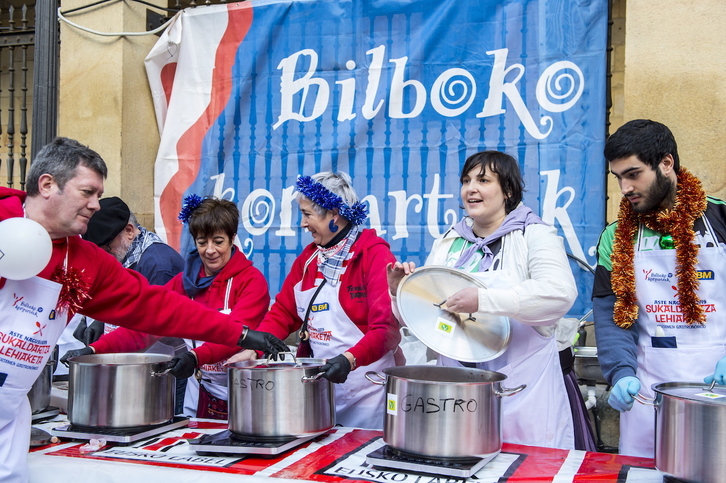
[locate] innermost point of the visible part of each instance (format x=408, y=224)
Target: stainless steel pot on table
x=120, y=390
x=39, y=394
x=445, y=412
x=279, y=398
x=690, y=430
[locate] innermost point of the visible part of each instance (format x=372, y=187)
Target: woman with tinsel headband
x=336, y=298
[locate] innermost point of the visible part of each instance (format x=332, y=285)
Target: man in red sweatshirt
x=64, y=185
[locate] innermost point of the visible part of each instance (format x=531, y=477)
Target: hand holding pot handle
x=623, y=393
x=76, y=352
x=719, y=374
x=183, y=366
x=336, y=369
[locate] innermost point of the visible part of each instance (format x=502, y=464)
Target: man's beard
x=661, y=189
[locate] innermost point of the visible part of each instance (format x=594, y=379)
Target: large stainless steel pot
x=690, y=431
x=120, y=390
x=445, y=412
x=279, y=398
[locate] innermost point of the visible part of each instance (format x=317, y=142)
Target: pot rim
x=120, y=359
x=266, y=364
x=432, y=370
x=661, y=387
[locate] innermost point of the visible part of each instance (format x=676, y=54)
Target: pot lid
x=476, y=337
x=693, y=391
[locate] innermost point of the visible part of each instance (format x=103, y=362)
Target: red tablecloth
x=338, y=455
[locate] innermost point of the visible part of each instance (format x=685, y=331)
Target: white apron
x=358, y=402
x=212, y=376
x=29, y=330
x=697, y=347
x=540, y=415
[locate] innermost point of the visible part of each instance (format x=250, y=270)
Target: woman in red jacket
x=217, y=275
x=336, y=297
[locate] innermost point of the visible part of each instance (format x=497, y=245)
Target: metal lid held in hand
x=477, y=337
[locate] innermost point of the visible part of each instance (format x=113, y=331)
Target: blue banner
x=395, y=93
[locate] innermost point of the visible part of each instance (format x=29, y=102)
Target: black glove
x=336, y=369
x=183, y=366
x=75, y=353
x=262, y=341
x=88, y=334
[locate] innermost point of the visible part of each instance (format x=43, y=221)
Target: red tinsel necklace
x=678, y=222
x=74, y=288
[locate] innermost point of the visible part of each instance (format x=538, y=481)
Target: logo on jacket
x=356, y=291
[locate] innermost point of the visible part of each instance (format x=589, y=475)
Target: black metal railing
x=17, y=45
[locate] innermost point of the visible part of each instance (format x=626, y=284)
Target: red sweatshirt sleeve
x=124, y=297
x=129, y=340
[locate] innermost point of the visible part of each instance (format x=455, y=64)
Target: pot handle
x=644, y=400
x=509, y=392
x=314, y=378
x=380, y=378
x=280, y=359
x=160, y=373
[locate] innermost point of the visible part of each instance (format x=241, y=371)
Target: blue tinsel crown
x=321, y=196
x=190, y=204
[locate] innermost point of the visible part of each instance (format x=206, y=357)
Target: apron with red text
x=358, y=402
x=29, y=330
x=670, y=350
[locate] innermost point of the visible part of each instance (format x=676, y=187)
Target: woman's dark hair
x=649, y=140
x=213, y=216
x=507, y=169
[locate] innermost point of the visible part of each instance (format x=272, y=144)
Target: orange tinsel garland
x=678, y=222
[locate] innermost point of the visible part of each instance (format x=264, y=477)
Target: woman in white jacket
x=523, y=263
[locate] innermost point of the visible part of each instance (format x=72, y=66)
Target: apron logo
x=320, y=307
x=651, y=276
x=705, y=275
x=40, y=329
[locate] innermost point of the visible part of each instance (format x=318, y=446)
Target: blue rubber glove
x=719, y=374
x=621, y=395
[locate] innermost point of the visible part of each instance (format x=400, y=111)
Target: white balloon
x=25, y=248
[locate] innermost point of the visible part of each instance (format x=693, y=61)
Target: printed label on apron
x=29, y=329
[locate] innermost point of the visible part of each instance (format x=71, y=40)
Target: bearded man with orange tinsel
x=658, y=296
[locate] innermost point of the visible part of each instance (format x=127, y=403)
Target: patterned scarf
x=330, y=260
x=676, y=221
x=139, y=244
x=517, y=219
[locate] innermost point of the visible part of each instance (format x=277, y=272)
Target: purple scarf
x=517, y=219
